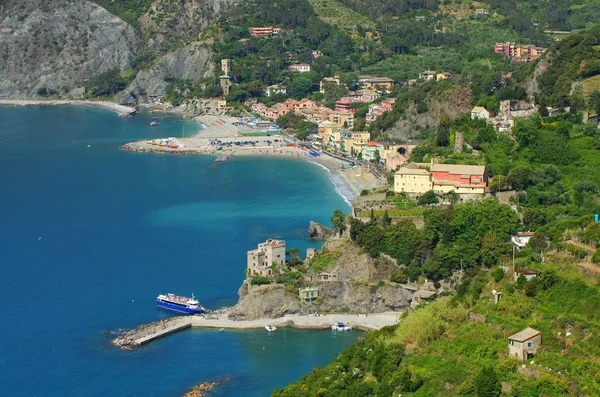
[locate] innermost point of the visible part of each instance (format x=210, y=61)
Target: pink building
x=460, y=178
x=264, y=31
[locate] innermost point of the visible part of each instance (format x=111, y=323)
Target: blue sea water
x=90, y=235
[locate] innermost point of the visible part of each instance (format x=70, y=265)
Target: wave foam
x=340, y=187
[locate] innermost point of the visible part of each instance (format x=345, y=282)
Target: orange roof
x=372, y=143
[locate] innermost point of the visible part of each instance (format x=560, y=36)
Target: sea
x=90, y=235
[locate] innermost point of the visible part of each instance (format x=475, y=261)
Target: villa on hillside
x=375, y=83
x=479, y=113
x=300, y=68
x=265, y=31
x=419, y=178
x=261, y=259
x=519, y=52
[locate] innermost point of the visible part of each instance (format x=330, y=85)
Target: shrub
x=428, y=198
x=498, y=274
x=259, y=280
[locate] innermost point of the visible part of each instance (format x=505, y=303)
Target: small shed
x=528, y=275
x=422, y=296
x=524, y=344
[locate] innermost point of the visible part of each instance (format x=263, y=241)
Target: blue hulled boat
x=179, y=304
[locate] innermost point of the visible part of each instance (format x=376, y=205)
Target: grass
x=336, y=13
x=590, y=85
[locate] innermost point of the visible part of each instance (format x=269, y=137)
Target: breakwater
x=149, y=332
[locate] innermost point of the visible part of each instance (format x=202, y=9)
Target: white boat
x=340, y=326
x=153, y=124
x=270, y=328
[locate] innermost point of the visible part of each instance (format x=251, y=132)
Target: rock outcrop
x=190, y=62
x=317, y=231
x=264, y=301
x=59, y=44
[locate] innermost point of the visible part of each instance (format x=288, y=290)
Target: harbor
x=149, y=332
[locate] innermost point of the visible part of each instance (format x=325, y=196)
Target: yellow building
x=326, y=128
x=375, y=83
x=354, y=141
x=412, y=180
x=344, y=118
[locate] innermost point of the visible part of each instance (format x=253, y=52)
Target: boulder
x=317, y=231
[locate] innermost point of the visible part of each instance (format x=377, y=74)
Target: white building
x=479, y=112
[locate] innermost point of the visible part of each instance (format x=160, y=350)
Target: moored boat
x=270, y=328
x=179, y=304
x=340, y=326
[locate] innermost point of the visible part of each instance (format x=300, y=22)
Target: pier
x=147, y=333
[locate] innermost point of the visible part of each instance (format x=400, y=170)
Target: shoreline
x=149, y=332
x=106, y=105
x=348, y=182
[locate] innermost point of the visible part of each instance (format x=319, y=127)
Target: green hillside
x=458, y=345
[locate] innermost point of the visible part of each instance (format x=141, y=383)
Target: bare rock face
x=190, y=62
x=264, y=301
x=361, y=298
x=59, y=44
x=317, y=231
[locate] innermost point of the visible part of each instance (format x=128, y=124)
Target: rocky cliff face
x=190, y=62
x=59, y=44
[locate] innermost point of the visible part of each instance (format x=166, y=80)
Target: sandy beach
x=222, y=136
x=57, y=102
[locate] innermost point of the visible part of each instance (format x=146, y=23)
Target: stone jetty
x=149, y=332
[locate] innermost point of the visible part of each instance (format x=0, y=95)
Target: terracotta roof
x=524, y=335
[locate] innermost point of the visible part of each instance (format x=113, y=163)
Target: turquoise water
x=90, y=235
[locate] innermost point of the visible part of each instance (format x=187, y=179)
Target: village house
x=528, y=275
x=422, y=296
x=337, y=80
x=316, y=114
x=300, y=68
x=374, y=83
x=265, y=31
x=344, y=105
x=333, y=276
x=377, y=109
x=309, y=293
x=261, y=260
x=521, y=239
x=353, y=142
x=508, y=109
x=524, y=344
x=479, y=113
x=519, y=52
x=482, y=11
x=370, y=151
x=364, y=95
x=344, y=118
x=327, y=127
x=412, y=180
x=428, y=75
x=275, y=89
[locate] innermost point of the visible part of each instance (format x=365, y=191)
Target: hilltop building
x=479, y=113
x=261, y=260
x=337, y=80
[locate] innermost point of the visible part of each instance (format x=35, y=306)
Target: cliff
x=61, y=44
x=58, y=44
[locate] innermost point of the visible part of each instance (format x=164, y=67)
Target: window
x=529, y=344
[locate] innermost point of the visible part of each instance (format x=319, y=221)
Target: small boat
x=340, y=326
x=179, y=304
x=270, y=328
x=222, y=330
x=153, y=124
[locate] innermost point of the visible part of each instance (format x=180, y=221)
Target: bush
x=399, y=276
x=498, y=274
x=428, y=198
x=259, y=280
x=487, y=384
x=106, y=83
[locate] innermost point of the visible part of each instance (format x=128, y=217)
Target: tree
x=107, y=83
x=492, y=249
x=498, y=183
x=520, y=177
x=428, y=197
x=486, y=383
x=338, y=220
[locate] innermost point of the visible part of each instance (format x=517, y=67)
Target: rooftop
x=459, y=169
x=412, y=171
x=524, y=335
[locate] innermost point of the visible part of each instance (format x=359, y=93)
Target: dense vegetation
x=458, y=346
